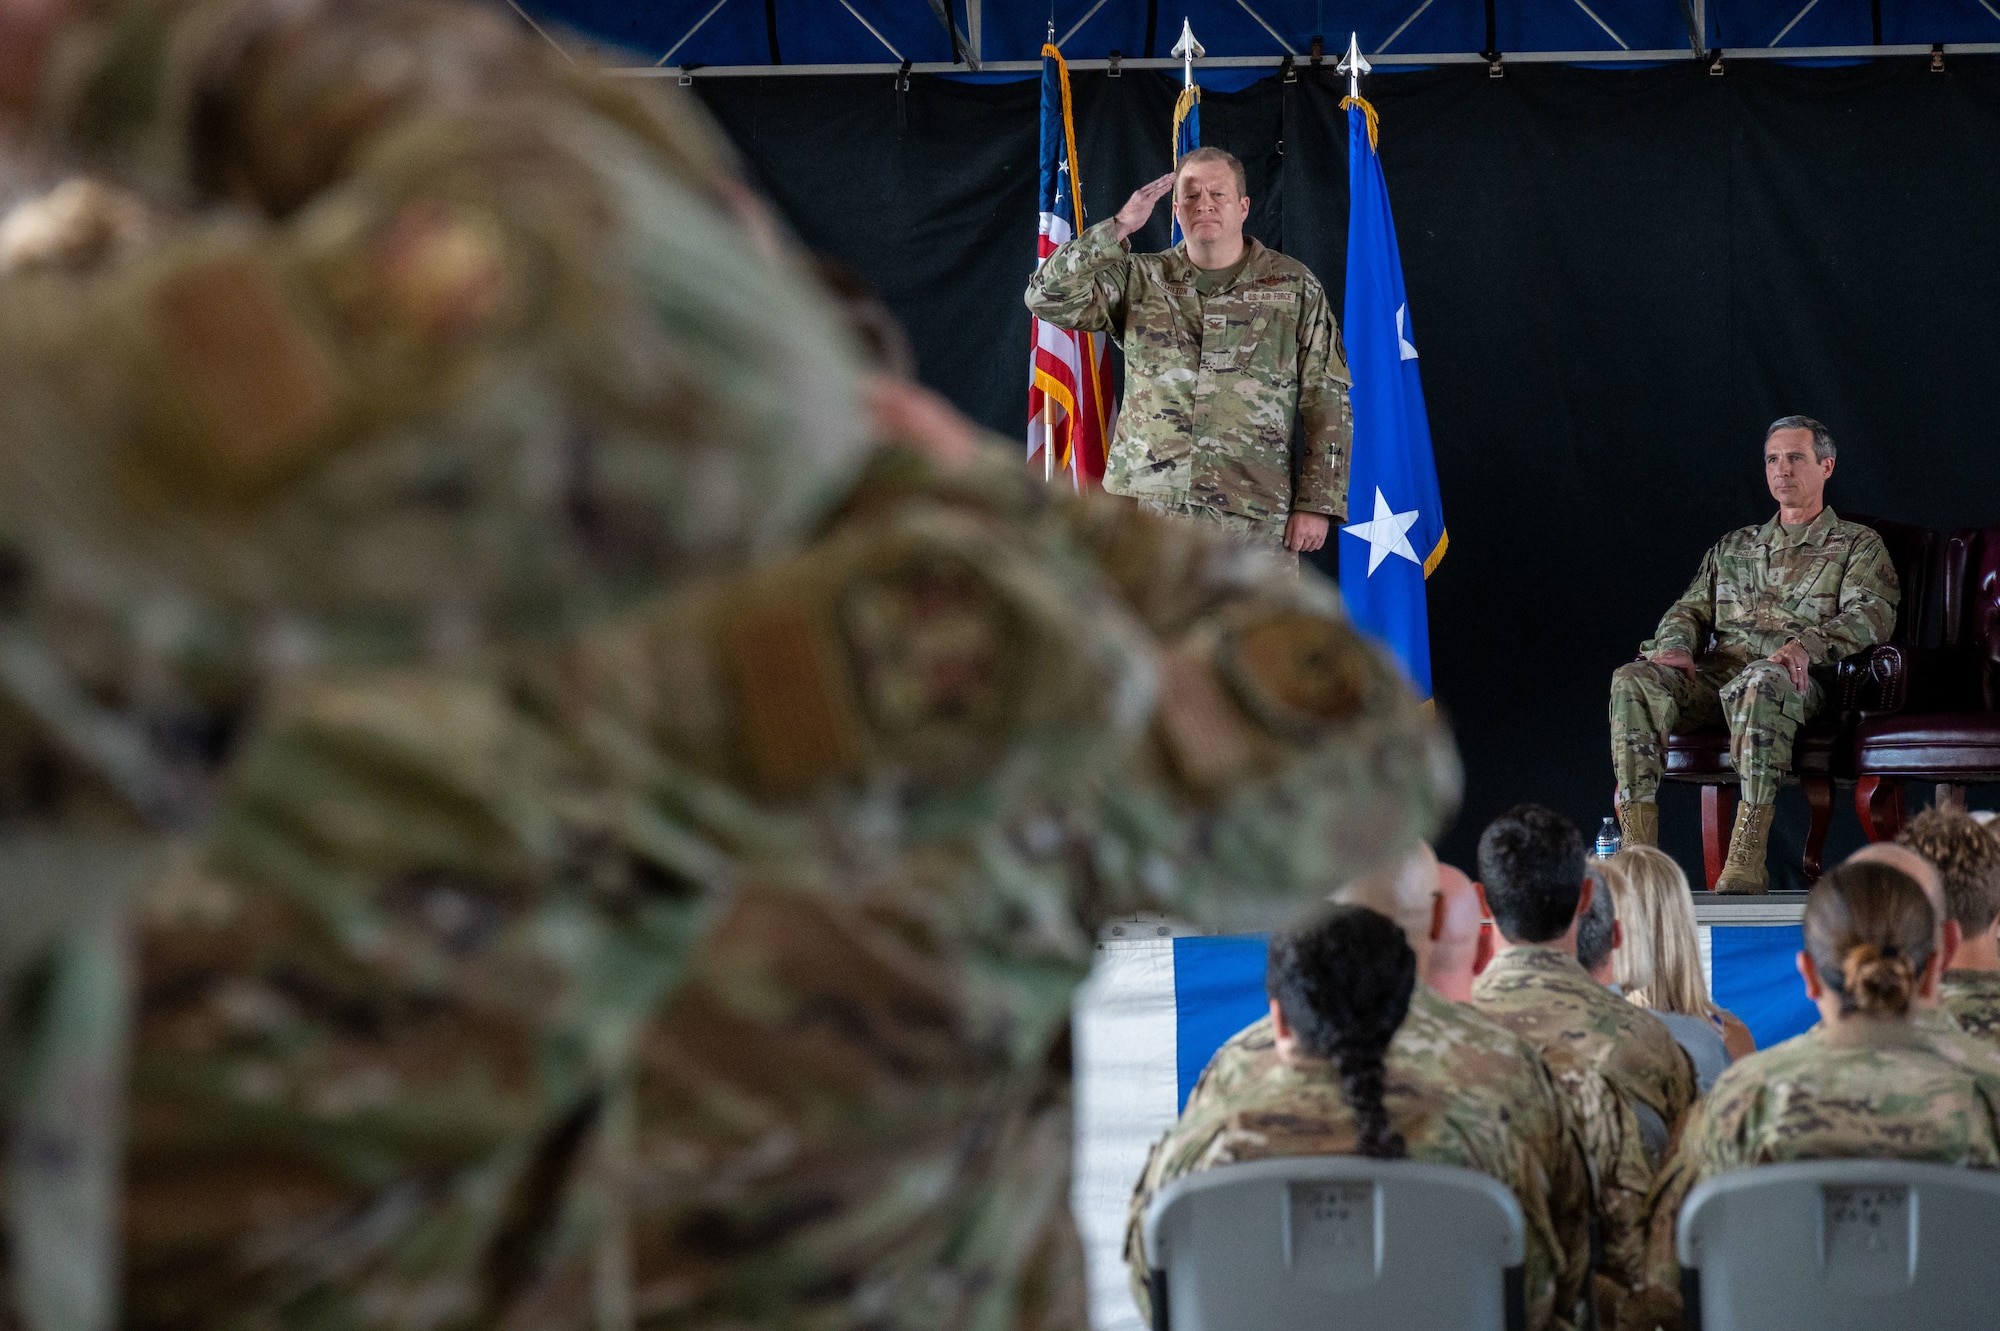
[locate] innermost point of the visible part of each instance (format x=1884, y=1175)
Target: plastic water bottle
x=1608, y=839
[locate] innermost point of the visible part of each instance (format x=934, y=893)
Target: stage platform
x=1769, y=909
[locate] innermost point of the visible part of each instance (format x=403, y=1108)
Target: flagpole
x=1355, y=65
x=1189, y=50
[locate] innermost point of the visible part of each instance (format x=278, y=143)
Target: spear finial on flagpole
x=1189, y=50
x=1355, y=64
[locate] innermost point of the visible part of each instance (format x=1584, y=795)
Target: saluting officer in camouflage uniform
x=1227, y=345
x=1750, y=643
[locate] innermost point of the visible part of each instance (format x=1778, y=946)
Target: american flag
x=1069, y=389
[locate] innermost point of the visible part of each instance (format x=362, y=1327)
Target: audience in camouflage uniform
x=1968, y=862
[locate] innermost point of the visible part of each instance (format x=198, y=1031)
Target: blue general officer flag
x=1395, y=534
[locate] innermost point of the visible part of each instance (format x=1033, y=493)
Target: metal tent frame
x=967, y=41
x=1936, y=50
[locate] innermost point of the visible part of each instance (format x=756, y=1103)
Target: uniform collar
x=1776, y=535
x=1253, y=254
x=1543, y=959
x=1859, y=1032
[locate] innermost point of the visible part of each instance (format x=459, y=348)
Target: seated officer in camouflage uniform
x=1866, y=1083
x=1967, y=859
x=1533, y=880
x=1227, y=345
x=1782, y=603
x=1447, y=1066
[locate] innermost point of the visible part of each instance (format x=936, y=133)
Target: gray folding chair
x=1327, y=1242
x=1837, y=1244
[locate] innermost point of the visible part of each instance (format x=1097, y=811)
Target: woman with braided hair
x=1339, y=989
x=1362, y=1061
x=1866, y=1083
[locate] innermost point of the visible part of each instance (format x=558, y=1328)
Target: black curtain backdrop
x=1616, y=279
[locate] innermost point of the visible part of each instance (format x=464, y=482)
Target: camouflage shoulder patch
x=247, y=389
x=1296, y=672
x=1206, y=734
x=446, y=271
x=936, y=653
x=794, y=695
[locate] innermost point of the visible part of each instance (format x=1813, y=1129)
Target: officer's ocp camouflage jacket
x=1461, y=1090
x=1547, y=999
x=1608, y=1056
x=1973, y=1000
x=1828, y=585
x=1861, y=1090
x=1212, y=385
x=618, y=915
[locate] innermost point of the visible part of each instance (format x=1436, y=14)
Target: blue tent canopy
x=757, y=34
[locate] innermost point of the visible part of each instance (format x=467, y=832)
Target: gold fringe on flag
x=1184, y=106
x=1437, y=555
x=1374, y=121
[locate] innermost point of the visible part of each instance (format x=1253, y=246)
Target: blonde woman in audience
x=1659, y=966
x=1866, y=1083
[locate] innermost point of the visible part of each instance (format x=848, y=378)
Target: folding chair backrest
x=1329, y=1242
x=1838, y=1244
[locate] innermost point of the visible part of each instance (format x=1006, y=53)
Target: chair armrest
x=1893, y=677
x=1872, y=682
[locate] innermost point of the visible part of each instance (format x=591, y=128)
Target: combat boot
x=1743, y=873
x=1639, y=823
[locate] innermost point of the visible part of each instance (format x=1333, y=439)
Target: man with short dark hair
x=1751, y=644
x=1536, y=887
x=1968, y=863
x=1227, y=345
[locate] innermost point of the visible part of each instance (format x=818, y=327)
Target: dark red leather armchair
x=1823, y=752
x=1932, y=713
